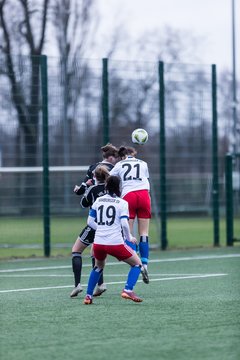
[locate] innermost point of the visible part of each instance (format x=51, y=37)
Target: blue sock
x=132, y=277
x=131, y=245
x=100, y=280
x=144, y=249
x=93, y=279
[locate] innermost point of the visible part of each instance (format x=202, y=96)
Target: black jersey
x=90, y=174
x=91, y=194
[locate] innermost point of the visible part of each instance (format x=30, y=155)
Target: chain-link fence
x=80, y=105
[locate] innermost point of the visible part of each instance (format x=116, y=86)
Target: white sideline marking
x=201, y=257
x=190, y=277
x=40, y=268
x=115, y=282
x=189, y=258
x=10, y=276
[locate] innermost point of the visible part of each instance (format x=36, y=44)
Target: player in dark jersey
x=86, y=236
x=110, y=157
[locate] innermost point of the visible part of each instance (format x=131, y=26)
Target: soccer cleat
x=87, y=300
x=100, y=289
x=145, y=276
x=77, y=290
x=130, y=295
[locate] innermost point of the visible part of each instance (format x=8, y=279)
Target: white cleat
x=77, y=290
x=100, y=289
x=144, y=273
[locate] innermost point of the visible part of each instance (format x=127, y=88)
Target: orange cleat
x=130, y=295
x=87, y=300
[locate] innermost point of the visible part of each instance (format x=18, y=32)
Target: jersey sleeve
x=92, y=213
x=89, y=174
x=124, y=212
x=87, y=199
x=93, y=210
x=83, y=185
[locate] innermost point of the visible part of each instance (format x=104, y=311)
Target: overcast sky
x=208, y=19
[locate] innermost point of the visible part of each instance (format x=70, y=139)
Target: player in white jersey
x=109, y=216
x=135, y=189
x=85, y=238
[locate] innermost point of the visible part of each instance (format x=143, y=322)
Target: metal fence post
x=163, y=197
x=215, y=184
x=45, y=155
x=105, y=101
x=229, y=199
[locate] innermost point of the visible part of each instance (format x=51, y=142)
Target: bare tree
x=22, y=34
x=17, y=26
x=75, y=23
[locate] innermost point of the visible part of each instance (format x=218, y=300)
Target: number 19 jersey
x=108, y=211
x=133, y=173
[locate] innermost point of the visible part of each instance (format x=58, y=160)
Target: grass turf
x=182, y=233
x=180, y=318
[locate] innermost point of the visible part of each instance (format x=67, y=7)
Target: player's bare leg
x=131, y=222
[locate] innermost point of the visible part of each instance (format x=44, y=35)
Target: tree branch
x=29, y=34
x=16, y=91
x=43, y=27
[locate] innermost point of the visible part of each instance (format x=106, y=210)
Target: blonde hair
x=101, y=173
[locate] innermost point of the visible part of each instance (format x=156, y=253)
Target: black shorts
x=87, y=235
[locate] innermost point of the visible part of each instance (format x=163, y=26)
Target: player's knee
x=137, y=266
x=98, y=269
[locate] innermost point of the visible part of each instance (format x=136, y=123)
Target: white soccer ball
x=139, y=136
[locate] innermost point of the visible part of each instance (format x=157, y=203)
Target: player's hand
x=76, y=188
x=133, y=240
x=89, y=182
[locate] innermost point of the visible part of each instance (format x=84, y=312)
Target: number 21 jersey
x=133, y=173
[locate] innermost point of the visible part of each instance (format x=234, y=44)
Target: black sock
x=77, y=267
x=100, y=281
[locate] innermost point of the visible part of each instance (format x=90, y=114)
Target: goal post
x=13, y=180
x=39, y=169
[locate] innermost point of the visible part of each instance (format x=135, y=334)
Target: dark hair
x=126, y=150
x=101, y=173
x=109, y=150
x=113, y=185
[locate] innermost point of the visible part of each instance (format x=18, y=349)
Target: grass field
x=191, y=310
x=25, y=236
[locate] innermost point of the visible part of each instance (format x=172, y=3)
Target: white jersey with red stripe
x=133, y=173
x=108, y=211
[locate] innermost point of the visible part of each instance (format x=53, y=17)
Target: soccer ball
x=139, y=136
